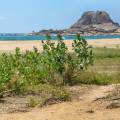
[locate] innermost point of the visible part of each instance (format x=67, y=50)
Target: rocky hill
x=90, y=23
x=95, y=23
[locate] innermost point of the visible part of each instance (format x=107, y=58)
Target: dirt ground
x=89, y=106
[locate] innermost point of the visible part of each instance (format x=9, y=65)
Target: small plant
x=55, y=56
x=82, y=57
x=83, y=52
x=32, y=103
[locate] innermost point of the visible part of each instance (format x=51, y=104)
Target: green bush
x=54, y=66
x=59, y=60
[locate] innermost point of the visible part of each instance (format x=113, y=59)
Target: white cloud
x=3, y=18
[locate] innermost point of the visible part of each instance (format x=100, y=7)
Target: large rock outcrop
x=93, y=18
x=93, y=23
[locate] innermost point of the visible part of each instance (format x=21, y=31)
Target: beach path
x=84, y=109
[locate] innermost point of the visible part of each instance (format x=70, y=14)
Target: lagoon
x=21, y=37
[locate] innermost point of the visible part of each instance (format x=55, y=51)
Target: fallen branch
x=116, y=98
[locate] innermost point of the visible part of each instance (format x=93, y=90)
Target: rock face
x=92, y=23
x=93, y=18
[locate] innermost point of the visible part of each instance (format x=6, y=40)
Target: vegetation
x=53, y=68
x=48, y=73
x=106, y=68
x=59, y=61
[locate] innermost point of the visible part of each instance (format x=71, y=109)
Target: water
x=15, y=37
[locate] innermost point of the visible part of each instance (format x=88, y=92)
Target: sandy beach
x=6, y=46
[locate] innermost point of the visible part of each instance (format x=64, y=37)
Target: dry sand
x=28, y=45
x=84, y=109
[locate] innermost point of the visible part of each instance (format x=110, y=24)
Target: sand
x=84, y=109
x=28, y=45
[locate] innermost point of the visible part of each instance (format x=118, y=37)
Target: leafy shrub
x=59, y=60
x=19, y=70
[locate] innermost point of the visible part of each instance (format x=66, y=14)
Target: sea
x=22, y=37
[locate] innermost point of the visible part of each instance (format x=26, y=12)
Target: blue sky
x=28, y=15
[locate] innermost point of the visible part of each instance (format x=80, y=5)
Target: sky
x=18, y=16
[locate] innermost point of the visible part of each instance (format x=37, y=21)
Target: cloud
x=3, y=18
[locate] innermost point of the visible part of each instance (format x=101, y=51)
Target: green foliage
x=55, y=65
x=60, y=61
x=83, y=52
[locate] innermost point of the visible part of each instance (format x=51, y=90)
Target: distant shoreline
x=41, y=37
